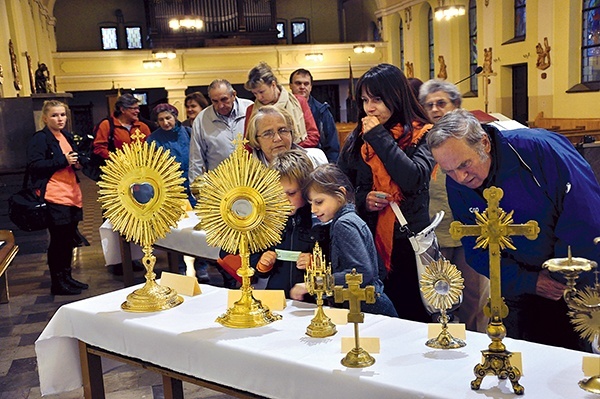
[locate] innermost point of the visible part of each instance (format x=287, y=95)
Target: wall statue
x=487, y=61
x=443, y=73
x=42, y=79
x=14, y=66
x=410, y=71
x=543, y=55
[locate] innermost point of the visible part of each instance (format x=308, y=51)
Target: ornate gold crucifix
x=357, y=357
x=493, y=230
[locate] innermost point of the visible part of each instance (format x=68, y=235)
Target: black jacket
x=410, y=170
x=44, y=156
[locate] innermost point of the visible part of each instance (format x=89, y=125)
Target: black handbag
x=27, y=210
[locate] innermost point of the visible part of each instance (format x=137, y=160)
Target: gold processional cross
x=357, y=357
x=137, y=135
x=494, y=228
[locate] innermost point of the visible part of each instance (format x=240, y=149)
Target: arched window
x=590, y=45
x=430, y=41
x=473, y=45
x=401, y=27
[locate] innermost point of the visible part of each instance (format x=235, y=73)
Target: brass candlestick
x=357, y=357
x=442, y=284
x=494, y=228
x=584, y=305
x=243, y=209
x=319, y=281
x=142, y=194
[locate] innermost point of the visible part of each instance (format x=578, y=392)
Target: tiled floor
x=31, y=307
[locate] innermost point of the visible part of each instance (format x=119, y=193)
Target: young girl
x=352, y=247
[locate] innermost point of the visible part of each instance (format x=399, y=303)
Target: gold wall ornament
x=442, y=284
x=493, y=230
x=357, y=357
x=142, y=194
x=584, y=305
x=242, y=208
x=319, y=281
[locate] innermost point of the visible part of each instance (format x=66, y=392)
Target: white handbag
x=426, y=247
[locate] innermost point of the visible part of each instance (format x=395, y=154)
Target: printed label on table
x=339, y=317
x=184, y=285
x=370, y=344
x=273, y=299
x=591, y=365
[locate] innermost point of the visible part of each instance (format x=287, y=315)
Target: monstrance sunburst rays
x=442, y=284
x=142, y=194
x=242, y=208
x=587, y=324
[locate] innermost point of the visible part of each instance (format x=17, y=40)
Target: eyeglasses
x=270, y=135
x=133, y=108
x=441, y=104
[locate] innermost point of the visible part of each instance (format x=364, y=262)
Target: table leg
x=91, y=373
x=172, y=387
x=126, y=262
x=3, y=288
x=173, y=260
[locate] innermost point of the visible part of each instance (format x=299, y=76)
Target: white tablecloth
x=280, y=361
x=182, y=239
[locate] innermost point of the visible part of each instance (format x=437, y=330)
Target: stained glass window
x=590, y=44
x=109, y=38
x=473, y=45
x=134, y=37
x=430, y=41
x=281, y=30
x=299, y=32
x=520, y=20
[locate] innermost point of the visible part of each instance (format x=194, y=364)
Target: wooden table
x=8, y=251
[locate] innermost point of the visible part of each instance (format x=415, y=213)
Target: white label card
x=184, y=285
x=285, y=255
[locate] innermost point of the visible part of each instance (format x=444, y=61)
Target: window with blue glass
x=430, y=41
x=473, y=46
x=281, y=30
x=300, y=32
x=520, y=18
x=590, y=45
x=401, y=44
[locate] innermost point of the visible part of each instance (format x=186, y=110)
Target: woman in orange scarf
x=387, y=159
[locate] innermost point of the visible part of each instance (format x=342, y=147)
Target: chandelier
x=448, y=12
x=186, y=22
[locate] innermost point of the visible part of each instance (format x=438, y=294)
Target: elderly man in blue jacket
x=544, y=179
x=301, y=84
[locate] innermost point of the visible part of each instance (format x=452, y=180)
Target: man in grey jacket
x=216, y=127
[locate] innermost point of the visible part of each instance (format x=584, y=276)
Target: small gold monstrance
x=142, y=194
x=584, y=306
x=242, y=207
x=357, y=357
x=494, y=228
x=319, y=281
x=442, y=284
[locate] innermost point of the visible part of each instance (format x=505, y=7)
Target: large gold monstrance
x=142, y=195
x=242, y=208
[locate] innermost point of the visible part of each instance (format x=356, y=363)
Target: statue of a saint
x=410, y=71
x=42, y=77
x=487, y=61
x=15, y=67
x=442, y=74
x=30, y=70
x=1, y=82
x=543, y=55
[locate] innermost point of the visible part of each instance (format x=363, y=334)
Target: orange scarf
x=382, y=181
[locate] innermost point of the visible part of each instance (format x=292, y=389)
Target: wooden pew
x=8, y=251
x=344, y=129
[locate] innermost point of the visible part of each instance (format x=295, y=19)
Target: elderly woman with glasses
x=439, y=97
x=270, y=133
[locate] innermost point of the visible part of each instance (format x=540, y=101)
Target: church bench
x=8, y=251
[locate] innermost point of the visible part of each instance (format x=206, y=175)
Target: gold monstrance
x=584, y=306
x=319, y=281
x=494, y=228
x=442, y=284
x=242, y=207
x=142, y=194
x=357, y=357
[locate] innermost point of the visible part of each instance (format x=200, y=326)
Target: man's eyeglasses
x=440, y=104
x=270, y=134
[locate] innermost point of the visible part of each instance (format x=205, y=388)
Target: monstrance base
x=591, y=384
x=445, y=340
x=358, y=358
x=498, y=364
x=320, y=326
x=248, y=312
x=151, y=298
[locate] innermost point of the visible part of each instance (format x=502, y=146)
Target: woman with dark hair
x=194, y=103
x=387, y=160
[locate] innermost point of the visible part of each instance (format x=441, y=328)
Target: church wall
x=322, y=16
x=359, y=16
